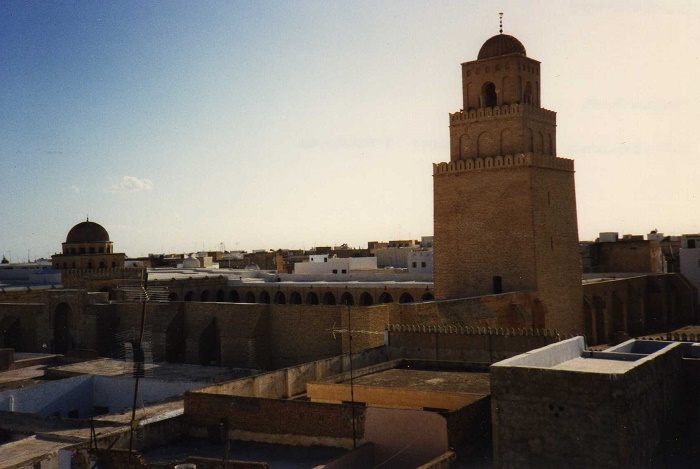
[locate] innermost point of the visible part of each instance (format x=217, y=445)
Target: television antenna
x=349, y=331
x=137, y=350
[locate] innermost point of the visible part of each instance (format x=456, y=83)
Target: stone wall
x=472, y=345
x=545, y=417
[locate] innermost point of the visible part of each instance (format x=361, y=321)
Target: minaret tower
x=505, y=204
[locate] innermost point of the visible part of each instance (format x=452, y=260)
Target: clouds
x=75, y=188
x=130, y=184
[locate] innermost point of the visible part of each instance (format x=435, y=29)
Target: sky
x=185, y=125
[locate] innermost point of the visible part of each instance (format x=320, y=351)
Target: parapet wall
x=499, y=162
x=471, y=344
x=503, y=111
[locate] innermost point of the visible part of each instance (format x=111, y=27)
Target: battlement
x=499, y=162
x=506, y=110
x=492, y=331
x=105, y=273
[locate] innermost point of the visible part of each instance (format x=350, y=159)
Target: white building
x=420, y=261
x=690, y=259
x=322, y=264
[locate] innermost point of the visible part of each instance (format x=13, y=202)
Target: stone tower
x=505, y=204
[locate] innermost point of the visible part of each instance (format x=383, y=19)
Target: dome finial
x=500, y=22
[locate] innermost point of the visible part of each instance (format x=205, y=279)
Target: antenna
x=500, y=21
x=137, y=350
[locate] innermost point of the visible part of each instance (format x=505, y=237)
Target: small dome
x=87, y=232
x=501, y=44
x=190, y=263
x=252, y=266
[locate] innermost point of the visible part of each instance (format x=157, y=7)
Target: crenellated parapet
x=674, y=337
x=114, y=272
x=499, y=162
x=462, y=330
x=506, y=110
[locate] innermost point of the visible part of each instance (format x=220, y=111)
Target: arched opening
x=366, y=299
x=328, y=298
x=488, y=95
x=189, y=296
x=173, y=297
x=220, y=296
x=110, y=294
x=385, y=298
x=427, y=296
x=280, y=299
x=209, y=345
x=508, y=146
x=204, y=296
x=485, y=145
x=406, y=298
x=527, y=93
x=62, y=333
x=295, y=298
x=463, y=146
x=264, y=297
x=175, y=339
x=250, y=297
x=347, y=299
x=11, y=333
x=311, y=298
x=234, y=297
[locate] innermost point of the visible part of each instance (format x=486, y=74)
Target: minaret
x=505, y=204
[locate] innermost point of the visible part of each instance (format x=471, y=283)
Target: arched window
x=220, y=296
x=189, y=296
x=233, y=297
x=406, y=298
x=385, y=298
x=366, y=299
x=347, y=299
x=173, y=296
x=311, y=298
x=250, y=297
x=280, y=298
x=488, y=95
x=295, y=298
x=204, y=296
x=264, y=297
x=328, y=298
x=427, y=296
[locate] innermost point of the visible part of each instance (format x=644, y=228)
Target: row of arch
x=498, y=110
x=506, y=144
x=525, y=68
x=296, y=298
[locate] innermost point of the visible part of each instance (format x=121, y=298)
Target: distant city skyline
x=179, y=126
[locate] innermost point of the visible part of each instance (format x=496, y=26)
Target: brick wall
x=274, y=420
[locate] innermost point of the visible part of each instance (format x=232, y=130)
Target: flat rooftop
x=412, y=384
x=160, y=371
x=572, y=355
x=428, y=380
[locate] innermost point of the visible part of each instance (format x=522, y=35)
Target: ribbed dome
x=501, y=44
x=87, y=232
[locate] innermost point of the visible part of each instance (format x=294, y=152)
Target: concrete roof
x=429, y=380
x=161, y=371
